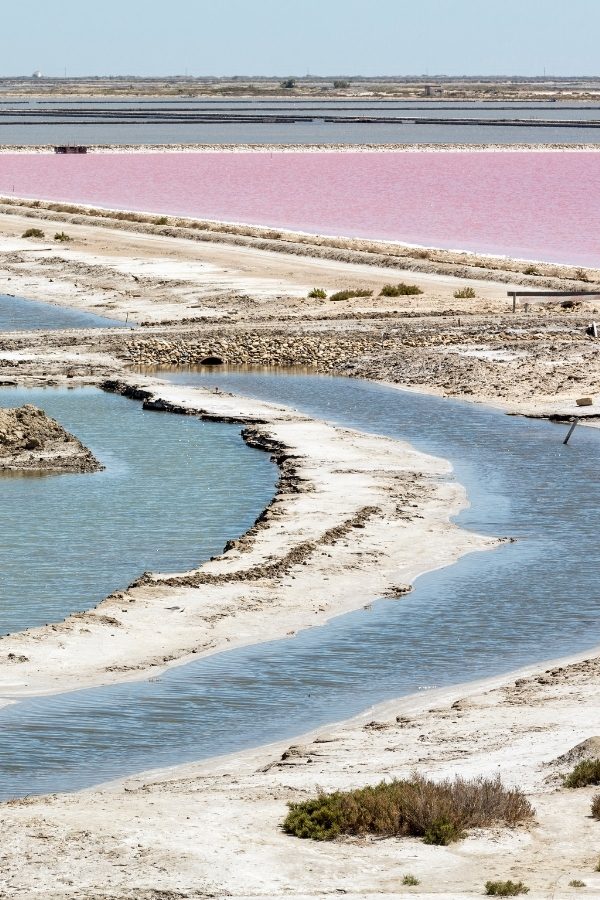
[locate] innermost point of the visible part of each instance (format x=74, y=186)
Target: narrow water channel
x=489, y=613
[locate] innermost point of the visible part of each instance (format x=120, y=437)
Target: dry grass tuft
x=505, y=888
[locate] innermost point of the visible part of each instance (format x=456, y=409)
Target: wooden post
x=514, y=296
x=574, y=425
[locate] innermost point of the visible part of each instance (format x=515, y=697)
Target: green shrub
x=399, y=290
x=466, y=293
x=441, y=833
x=346, y=295
x=62, y=236
x=585, y=772
x=596, y=807
x=33, y=233
x=531, y=270
x=340, y=84
x=505, y=888
x=410, y=881
x=318, y=294
x=162, y=220
x=439, y=812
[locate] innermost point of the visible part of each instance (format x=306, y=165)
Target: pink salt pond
x=530, y=204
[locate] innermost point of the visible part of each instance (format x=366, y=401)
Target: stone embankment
x=323, y=351
x=32, y=441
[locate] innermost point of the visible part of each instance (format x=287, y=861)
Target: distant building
x=433, y=90
x=37, y=74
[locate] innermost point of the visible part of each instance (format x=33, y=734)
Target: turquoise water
x=19, y=314
x=491, y=612
x=174, y=490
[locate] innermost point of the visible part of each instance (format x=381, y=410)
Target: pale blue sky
x=222, y=37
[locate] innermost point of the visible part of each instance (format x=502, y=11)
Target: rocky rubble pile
x=31, y=440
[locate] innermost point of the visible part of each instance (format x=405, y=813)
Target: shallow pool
x=174, y=490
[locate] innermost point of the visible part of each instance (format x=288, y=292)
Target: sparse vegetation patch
x=596, y=807
x=410, y=881
x=585, y=772
x=33, y=233
x=466, y=293
x=439, y=812
x=62, y=236
x=347, y=295
x=505, y=888
x=399, y=290
x=317, y=294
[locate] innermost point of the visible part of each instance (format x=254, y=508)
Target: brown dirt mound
x=32, y=441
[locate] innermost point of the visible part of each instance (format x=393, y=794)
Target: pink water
x=530, y=204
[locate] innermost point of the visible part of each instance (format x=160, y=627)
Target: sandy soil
x=213, y=829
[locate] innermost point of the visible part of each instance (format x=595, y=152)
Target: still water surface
x=490, y=612
x=293, y=122
x=173, y=492
x=19, y=314
x=527, y=204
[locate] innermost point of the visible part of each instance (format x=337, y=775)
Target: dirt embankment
x=32, y=441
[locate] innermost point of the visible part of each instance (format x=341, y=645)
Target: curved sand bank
x=368, y=514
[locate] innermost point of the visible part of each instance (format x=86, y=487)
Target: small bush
x=33, y=233
x=597, y=869
x=410, y=881
x=576, y=882
x=585, y=772
x=439, y=812
x=339, y=84
x=62, y=236
x=596, y=807
x=441, y=833
x=288, y=84
x=162, y=220
x=581, y=275
x=318, y=294
x=466, y=293
x=347, y=295
x=399, y=290
x=505, y=888
x=531, y=270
